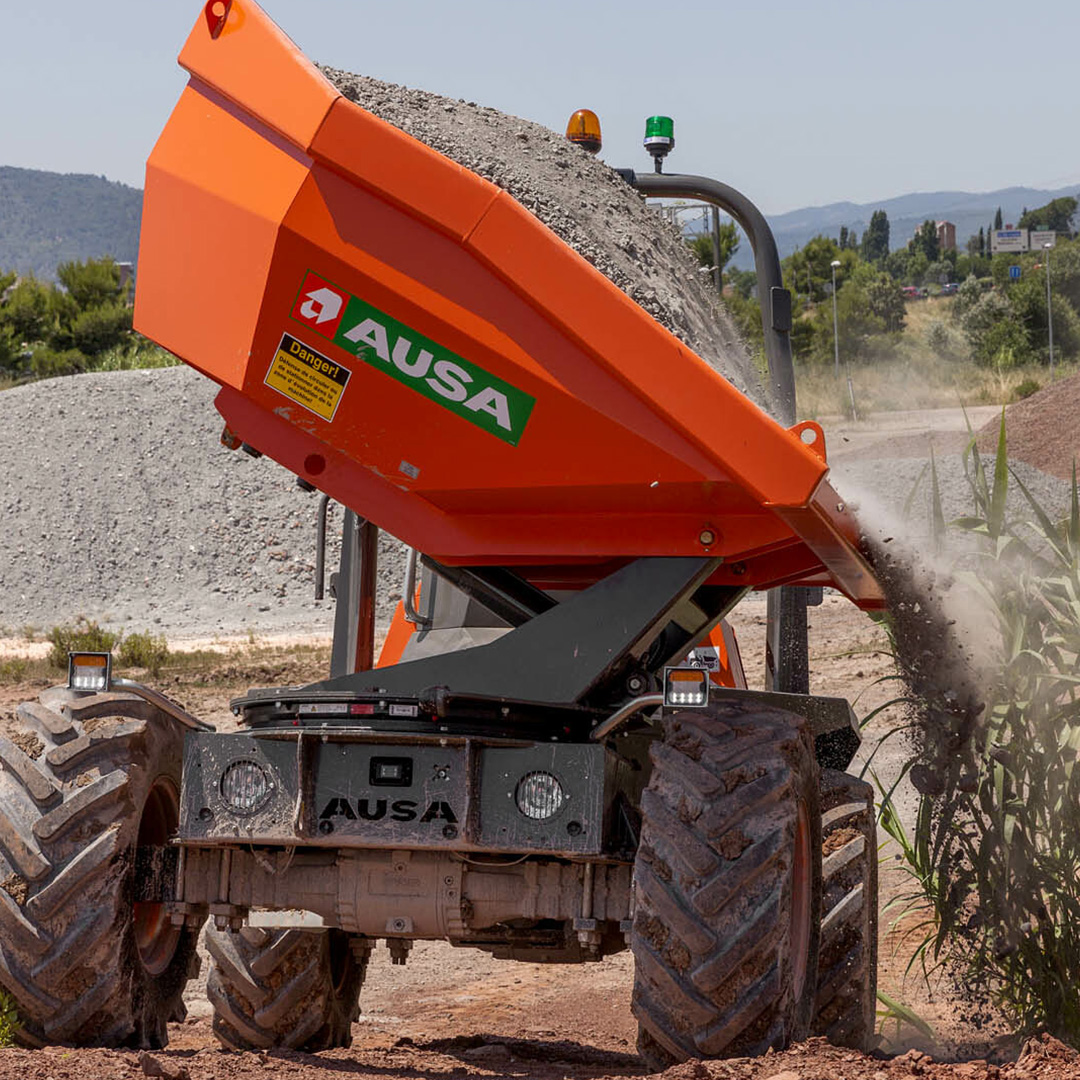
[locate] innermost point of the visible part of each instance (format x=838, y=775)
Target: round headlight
x=244, y=785
x=539, y=795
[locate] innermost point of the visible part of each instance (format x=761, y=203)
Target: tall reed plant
x=994, y=851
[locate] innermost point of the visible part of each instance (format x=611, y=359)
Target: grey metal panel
x=460, y=795
x=428, y=810
x=580, y=771
x=204, y=814
x=559, y=656
x=347, y=596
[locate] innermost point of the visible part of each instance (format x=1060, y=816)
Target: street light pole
x=835, y=328
x=1049, y=310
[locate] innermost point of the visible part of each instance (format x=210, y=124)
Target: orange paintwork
x=634, y=445
x=396, y=638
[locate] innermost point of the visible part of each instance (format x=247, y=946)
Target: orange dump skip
x=405, y=336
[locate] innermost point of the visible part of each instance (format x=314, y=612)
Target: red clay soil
x=1042, y=1059
x=1044, y=429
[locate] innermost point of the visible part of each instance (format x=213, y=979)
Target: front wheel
x=86, y=781
x=727, y=886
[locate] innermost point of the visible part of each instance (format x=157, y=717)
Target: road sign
x=1040, y=239
x=1008, y=240
x=1014, y=273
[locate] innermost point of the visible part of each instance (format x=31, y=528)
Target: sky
x=796, y=104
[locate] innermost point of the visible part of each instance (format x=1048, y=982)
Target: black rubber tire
x=294, y=989
x=846, y=1010
x=730, y=849
x=82, y=776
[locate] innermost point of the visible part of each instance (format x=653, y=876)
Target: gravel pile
x=581, y=200
x=119, y=503
x=1042, y=429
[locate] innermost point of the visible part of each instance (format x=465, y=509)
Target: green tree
x=925, y=241
x=898, y=264
x=91, y=284
x=101, y=328
x=817, y=257
x=875, y=241
x=1057, y=216
x=967, y=296
x=886, y=302
x=1027, y=299
x=28, y=310
x=11, y=351
x=998, y=219
x=943, y=268
x=917, y=266
x=702, y=245
x=995, y=336
x=744, y=282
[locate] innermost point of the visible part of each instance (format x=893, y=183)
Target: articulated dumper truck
x=555, y=757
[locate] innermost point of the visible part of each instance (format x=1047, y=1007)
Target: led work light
x=89, y=671
x=686, y=688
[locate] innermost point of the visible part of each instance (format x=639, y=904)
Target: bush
x=1025, y=389
x=84, y=636
x=147, y=651
x=14, y=670
x=937, y=337
x=48, y=363
x=98, y=329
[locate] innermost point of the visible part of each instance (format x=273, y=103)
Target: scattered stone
x=152, y=1065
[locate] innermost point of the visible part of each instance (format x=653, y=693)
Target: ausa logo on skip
x=414, y=360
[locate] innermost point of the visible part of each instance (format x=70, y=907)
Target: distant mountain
x=48, y=218
x=966, y=210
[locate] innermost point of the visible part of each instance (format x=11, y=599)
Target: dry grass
x=237, y=665
x=920, y=376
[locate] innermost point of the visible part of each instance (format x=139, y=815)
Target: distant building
x=946, y=236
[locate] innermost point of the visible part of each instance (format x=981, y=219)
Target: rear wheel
x=727, y=886
x=86, y=780
x=846, y=1010
x=297, y=989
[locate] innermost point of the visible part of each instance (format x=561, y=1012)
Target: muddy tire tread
x=67, y=954
x=713, y=885
x=275, y=988
x=845, y=1011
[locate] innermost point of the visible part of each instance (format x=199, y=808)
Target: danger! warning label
x=307, y=377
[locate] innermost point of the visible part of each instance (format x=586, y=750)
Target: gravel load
x=119, y=503
x=582, y=200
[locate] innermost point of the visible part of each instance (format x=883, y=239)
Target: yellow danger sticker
x=307, y=377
